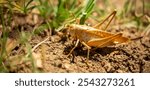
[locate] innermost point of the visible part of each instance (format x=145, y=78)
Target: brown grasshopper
x=93, y=36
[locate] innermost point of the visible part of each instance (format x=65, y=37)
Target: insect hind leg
x=88, y=47
x=111, y=16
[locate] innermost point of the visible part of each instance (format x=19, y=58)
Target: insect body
x=93, y=37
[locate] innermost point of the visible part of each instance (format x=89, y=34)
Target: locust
x=94, y=36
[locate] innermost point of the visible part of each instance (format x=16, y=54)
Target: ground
x=51, y=55
x=130, y=57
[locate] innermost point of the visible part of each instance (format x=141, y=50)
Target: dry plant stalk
x=93, y=36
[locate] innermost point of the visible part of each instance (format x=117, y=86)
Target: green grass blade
x=88, y=8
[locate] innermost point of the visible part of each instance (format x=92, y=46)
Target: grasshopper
x=93, y=36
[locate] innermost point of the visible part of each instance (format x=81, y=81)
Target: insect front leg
x=74, y=47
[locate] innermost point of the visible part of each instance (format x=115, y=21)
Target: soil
x=130, y=57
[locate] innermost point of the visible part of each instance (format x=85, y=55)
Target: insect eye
x=67, y=25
